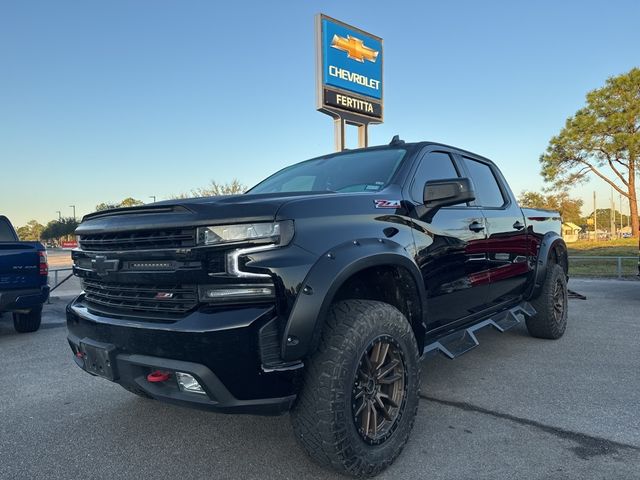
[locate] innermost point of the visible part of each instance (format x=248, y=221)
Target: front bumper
x=220, y=347
x=24, y=299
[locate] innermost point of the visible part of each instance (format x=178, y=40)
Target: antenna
x=396, y=140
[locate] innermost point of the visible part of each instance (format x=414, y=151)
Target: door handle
x=518, y=225
x=476, y=226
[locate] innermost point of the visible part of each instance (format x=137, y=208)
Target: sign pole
x=338, y=133
x=363, y=135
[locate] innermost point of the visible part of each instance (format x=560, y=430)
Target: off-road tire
x=324, y=418
x=136, y=391
x=28, y=322
x=551, y=306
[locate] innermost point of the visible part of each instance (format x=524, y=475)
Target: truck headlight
x=236, y=293
x=279, y=233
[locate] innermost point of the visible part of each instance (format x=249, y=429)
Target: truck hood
x=186, y=212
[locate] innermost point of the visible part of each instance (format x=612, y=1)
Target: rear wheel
x=28, y=322
x=360, y=393
x=551, y=320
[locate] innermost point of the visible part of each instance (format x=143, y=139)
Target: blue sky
x=105, y=100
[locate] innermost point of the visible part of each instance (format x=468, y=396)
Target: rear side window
x=488, y=193
x=6, y=232
x=434, y=166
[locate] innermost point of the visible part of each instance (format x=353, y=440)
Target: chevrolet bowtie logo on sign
x=349, y=71
x=355, y=48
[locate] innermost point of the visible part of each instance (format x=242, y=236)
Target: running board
x=457, y=343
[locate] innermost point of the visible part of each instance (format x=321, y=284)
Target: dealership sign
x=349, y=74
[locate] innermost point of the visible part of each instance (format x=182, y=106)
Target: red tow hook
x=158, y=376
x=80, y=355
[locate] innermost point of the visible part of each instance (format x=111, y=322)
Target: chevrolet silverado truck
x=317, y=291
x=23, y=278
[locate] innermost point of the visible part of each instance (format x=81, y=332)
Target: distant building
x=625, y=232
x=570, y=232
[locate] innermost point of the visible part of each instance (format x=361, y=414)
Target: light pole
x=59, y=215
x=154, y=198
x=595, y=218
x=74, y=211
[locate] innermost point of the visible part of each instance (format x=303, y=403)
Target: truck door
x=449, y=248
x=506, y=243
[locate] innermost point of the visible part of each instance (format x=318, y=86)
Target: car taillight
x=44, y=266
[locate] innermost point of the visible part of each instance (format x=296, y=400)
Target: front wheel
x=360, y=393
x=28, y=322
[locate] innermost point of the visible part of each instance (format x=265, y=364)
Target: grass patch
x=601, y=267
x=621, y=247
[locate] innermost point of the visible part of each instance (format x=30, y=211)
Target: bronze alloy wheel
x=367, y=367
x=379, y=394
x=558, y=301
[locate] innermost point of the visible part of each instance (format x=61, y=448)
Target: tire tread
x=319, y=423
x=543, y=324
x=28, y=322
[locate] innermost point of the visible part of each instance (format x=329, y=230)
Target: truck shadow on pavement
x=469, y=409
x=508, y=409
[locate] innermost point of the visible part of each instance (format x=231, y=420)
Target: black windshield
x=366, y=171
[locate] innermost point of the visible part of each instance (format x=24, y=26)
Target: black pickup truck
x=317, y=291
x=23, y=278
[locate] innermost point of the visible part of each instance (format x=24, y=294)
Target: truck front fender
x=324, y=280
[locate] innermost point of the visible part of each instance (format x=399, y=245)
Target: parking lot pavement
x=66, y=286
x=59, y=258
x=515, y=407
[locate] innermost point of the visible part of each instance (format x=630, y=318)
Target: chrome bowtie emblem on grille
x=163, y=295
x=102, y=266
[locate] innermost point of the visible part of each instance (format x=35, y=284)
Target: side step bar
x=457, y=343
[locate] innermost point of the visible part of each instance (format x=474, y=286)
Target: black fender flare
x=550, y=243
x=325, y=278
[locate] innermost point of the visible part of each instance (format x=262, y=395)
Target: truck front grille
x=175, y=299
x=139, y=240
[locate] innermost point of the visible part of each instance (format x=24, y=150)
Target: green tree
x=23, y=233
x=106, y=206
x=215, y=189
x=604, y=219
x=568, y=207
x=32, y=231
x=130, y=202
x=56, y=229
x=127, y=202
x=603, y=140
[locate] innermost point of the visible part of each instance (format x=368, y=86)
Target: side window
x=488, y=193
x=434, y=166
x=6, y=232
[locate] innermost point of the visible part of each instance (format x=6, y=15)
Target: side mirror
x=446, y=192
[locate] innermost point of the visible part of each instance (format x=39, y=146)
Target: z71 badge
x=387, y=203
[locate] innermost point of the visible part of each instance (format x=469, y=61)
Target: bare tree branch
x=603, y=177
x=620, y=176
